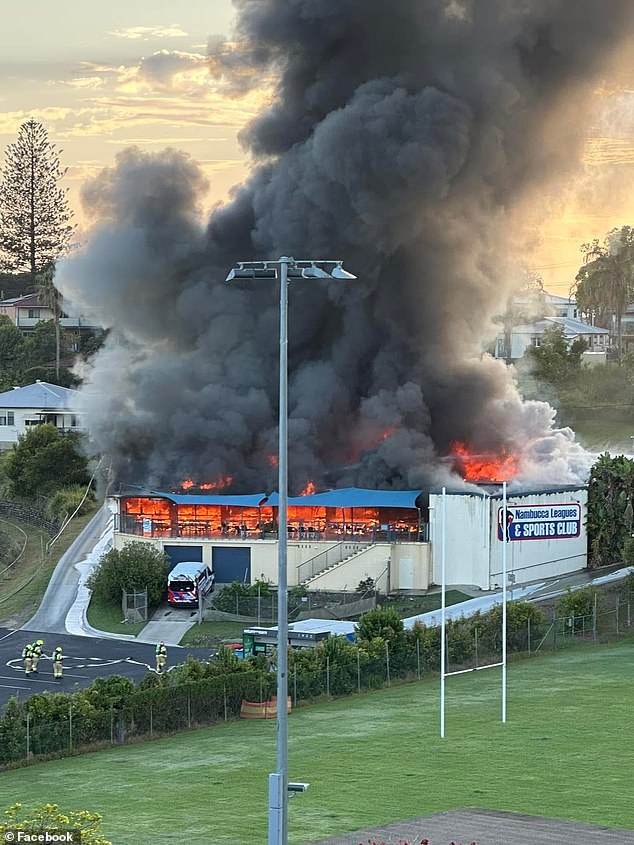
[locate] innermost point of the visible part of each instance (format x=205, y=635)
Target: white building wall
x=467, y=533
x=9, y=434
x=474, y=552
x=530, y=560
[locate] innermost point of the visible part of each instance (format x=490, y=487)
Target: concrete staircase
x=357, y=564
x=329, y=558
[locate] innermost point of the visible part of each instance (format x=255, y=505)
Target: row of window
x=9, y=419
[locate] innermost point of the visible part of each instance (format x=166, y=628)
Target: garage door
x=178, y=554
x=232, y=564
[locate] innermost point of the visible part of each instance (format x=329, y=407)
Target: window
x=536, y=341
x=10, y=418
x=34, y=313
x=73, y=423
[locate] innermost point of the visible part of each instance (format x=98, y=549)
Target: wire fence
x=28, y=731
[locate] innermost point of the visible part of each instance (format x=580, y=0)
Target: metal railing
x=329, y=557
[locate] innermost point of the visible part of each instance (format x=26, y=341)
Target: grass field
x=565, y=752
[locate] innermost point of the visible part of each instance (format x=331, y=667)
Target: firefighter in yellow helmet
x=27, y=656
x=37, y=653
x=57, y=662
x=161, y=657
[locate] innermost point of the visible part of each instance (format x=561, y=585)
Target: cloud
x=165, y=70
x=10, y=121
x=145, y=33
x=86, y=82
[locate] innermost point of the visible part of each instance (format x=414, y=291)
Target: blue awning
x=251, y=501
x=353, y=497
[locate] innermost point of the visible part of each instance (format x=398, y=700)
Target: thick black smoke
x=414, y=140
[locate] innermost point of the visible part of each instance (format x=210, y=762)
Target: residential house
x=34, y=404
x=546, y=310
x=27, y=311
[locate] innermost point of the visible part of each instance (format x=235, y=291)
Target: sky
x=104, y=76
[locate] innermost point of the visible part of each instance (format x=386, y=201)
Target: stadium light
x=284, y=268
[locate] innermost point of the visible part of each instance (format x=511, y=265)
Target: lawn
x=107, y=617
x=565, y=752
x=213, y=633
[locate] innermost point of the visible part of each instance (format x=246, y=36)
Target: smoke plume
x=417, y=141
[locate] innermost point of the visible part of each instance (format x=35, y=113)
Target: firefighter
x=161, y=657
x=37, y=653
x=27, y=656
x=57, y=662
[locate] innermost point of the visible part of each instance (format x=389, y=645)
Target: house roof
x=41, y=395
x=572, y=326
x=554, y=299
x=28, y=300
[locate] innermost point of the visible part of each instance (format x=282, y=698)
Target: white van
x=187, y=582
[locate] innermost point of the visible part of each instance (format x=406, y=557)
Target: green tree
x=40, y=355
x=555, y=361
x=48, y=817
x=604, y=285
x=35, y=227
x=610, y=497
x=43, y=461
x=134, y=567
x=12, y=351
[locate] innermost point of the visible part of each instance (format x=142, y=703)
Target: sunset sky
x=104, y=76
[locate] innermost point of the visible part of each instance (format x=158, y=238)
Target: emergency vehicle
x=188, y=582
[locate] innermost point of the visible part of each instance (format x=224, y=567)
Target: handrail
x=329, y=557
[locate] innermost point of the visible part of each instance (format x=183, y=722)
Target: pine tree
x=35, y=226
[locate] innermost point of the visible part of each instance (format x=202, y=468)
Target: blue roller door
x=232, y=564
x=178, y=554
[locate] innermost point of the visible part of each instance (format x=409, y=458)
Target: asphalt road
x=62, y=588
x=85, y=658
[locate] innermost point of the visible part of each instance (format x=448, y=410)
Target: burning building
x=422, y=143
x=339, y=538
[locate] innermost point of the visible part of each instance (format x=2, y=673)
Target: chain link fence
x=340, y=668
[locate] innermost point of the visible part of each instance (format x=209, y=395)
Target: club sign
x=541, y=522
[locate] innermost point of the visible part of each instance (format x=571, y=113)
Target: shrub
x=134, y=567
x=577, y=605
x=383, y=622
x=49, y=817
x=43, y=461
x=64, y=502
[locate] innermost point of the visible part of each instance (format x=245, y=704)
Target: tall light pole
x=284, y=268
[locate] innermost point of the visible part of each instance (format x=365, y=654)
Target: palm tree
x=605, y=283
x=49, y=296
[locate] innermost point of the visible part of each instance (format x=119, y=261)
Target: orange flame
x=218, y=484
x=309, y=489
x=484, y=467
x=272, y=459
